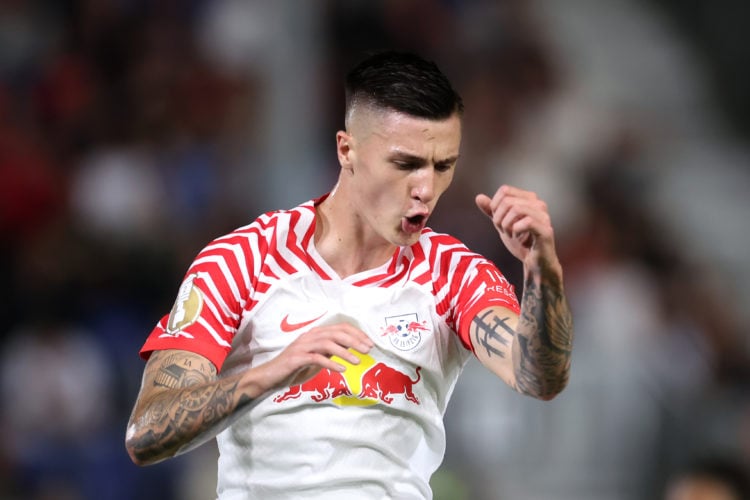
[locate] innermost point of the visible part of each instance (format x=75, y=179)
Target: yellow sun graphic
x=353, y=375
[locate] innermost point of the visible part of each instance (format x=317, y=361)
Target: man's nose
x=424, y=184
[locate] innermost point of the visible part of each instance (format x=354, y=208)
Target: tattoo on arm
x=177, y=371
x=190, y=406
x=492, y=333
x=545, y=337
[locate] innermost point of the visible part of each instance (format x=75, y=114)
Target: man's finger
x=483, y=203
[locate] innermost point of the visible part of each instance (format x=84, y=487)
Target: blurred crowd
x=132, y=132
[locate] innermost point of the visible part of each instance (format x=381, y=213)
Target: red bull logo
x=389, y=330
x=365, y=384
x=413, y=327
x=381, y=381
x=326, y=384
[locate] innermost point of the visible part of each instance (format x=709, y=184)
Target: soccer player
x=320, y=345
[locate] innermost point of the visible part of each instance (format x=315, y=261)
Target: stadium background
x=134, y=131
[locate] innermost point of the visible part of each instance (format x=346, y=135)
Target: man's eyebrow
x=411, y=158
x=407, y=157
x=448, y=161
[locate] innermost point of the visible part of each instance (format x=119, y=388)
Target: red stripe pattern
x=235, y=271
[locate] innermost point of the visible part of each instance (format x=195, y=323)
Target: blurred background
x=132, y=132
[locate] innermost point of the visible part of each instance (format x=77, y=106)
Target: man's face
x=396, y=167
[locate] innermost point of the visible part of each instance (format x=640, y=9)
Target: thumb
x=483, y=203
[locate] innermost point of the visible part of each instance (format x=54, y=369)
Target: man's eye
x=443, y=167
x=405, y=165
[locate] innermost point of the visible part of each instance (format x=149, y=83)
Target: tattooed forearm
x=189, y=405
x=544, y=344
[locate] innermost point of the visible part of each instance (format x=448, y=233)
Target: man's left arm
x=530, y=351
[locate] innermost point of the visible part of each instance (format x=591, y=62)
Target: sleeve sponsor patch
x=187, y=308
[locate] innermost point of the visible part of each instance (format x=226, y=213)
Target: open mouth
x=414, y=224
x=416, y=219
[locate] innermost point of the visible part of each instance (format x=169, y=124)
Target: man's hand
x=183, y=401
x=311, y=352
x=542, y=340
x=523, y=222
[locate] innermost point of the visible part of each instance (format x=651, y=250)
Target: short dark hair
x=402, y=82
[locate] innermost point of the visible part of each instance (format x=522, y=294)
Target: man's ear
x=345, y=150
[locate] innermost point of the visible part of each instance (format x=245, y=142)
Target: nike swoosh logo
x=286, y=326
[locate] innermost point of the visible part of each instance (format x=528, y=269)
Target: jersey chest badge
x=404, y=331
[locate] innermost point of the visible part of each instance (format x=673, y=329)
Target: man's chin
x=404, y=239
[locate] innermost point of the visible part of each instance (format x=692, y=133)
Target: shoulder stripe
x=228, y=278
x=291, y=243
x=236, y=260
x=214, y=335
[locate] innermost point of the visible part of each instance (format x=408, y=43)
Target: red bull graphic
x=364, y=384
x=380, y=381
x=389, y=330
x=326, y=384
x=414, y=327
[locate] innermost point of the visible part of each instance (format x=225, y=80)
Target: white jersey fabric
x=376, y=430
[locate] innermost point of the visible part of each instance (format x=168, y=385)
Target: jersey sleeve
x=483, y=286
x=208, y=309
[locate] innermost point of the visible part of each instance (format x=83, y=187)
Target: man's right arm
x=183, y=402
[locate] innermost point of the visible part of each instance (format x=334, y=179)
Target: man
x=320, y=345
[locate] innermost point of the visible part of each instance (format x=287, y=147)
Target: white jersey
x=374, y=431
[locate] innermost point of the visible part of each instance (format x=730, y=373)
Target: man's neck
x=343, y=240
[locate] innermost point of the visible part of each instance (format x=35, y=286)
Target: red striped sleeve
x=487, y=287
x=216, y=289
x=465, y=283
x=201, y=344
x=228, y=278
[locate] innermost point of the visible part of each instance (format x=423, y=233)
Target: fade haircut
x=402, y=82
